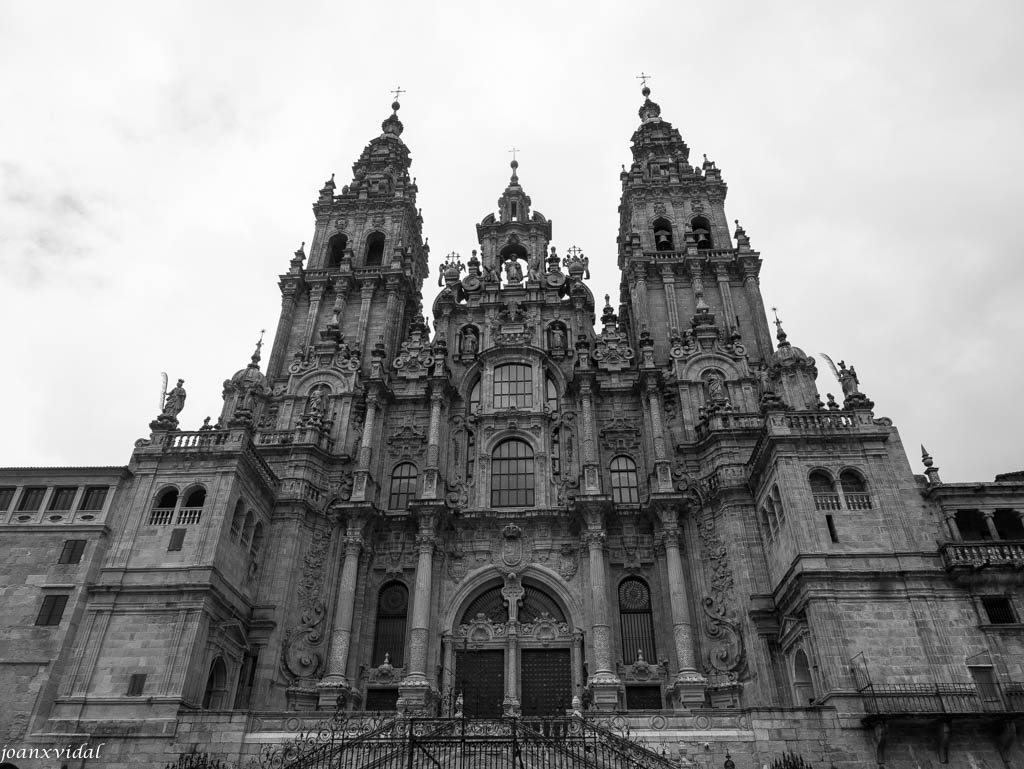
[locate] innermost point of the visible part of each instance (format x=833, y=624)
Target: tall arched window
x=389, y=636
x=663, y=235
x=238, y=520
x=855, y=491
x=375, y=249
x=513, y=386
x=215, y=696
x=403, y=486
x=636, y=620
x=803, y=686
x=192, y=510
x=248, y=530
x=702, y=232
x=474, y=397
x=163, y=510
x=512, y=478
x=552, y=394
x=336, y=249
x=625, y=483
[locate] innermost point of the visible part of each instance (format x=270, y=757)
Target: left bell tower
x=360, y=285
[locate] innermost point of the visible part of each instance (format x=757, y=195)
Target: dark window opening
x=1008, y=524
x=6, y=495
x=474, y=398
x=491, y=604
x=31, y=499
x=855, y=490
x=177, y=540
x=375, y=249
x=336, y=250
x=246, y=681
x=513, y=386
x=515, y=211
x=389, y=636
x=72, y=552
x=636, y=620
x=216, y=686
x=663, y=235
x=136, y=684
x=998, y=609
x=971, y=525
x=52, y=610
x=702, y=232
x=403, y=486
x=625, y=481
x=168, y=500
x=381, y=699
x=94, y=498
x=824, y=491
x=62, y=499
x=512, y=475
x=643, y=698
x=831, y=528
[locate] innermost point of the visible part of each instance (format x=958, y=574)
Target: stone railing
x=300, y=436
x=977, y=555
x=819, y=420
x=826, y=502
x=729, y=422
x=199, y=439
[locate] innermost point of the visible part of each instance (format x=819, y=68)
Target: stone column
x=591, y=476
x=416, y=690
x=954, y=531
x=640, y=292
x=989, y=516
x=430, y=473
x=364, y=315
x=316, y=294
x=336, y=683
x=391, y=334
x=361, y=475
x=604, y=684
x=750, y=285
x=668, y=279
x=284, y=326
x=689, y=684
x=662, y=466
x=722, y=275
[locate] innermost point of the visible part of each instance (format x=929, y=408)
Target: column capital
x=353, y=543
x=593, y=539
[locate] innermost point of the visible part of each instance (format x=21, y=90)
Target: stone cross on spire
x=397, y=91
x=644, y=78
x=514, y=150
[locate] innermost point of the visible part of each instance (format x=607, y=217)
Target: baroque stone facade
x=659, y=516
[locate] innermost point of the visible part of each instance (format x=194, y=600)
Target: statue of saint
x=534, y=273
x=848, y=379
x=513, y=271
x=557, y=338
x=315, y=407
x=716, y=390
x=470, y=344
x=174, y=402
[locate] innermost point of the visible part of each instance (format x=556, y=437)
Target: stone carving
x=568, y=561
x=174, y=402
x=725, y=654
x=415, y=358
x=302, y=653
x=513, y=271
x=512, y=546
x=620, y=434
x=407, y=441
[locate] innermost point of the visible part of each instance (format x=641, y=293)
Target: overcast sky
x=158, y=164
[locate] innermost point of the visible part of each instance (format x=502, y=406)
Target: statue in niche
x=557, y=337
x=315, y=405
x=513, y=271
x=764, y=380
x=716, y=390
x=174, y=401
x=470, y=342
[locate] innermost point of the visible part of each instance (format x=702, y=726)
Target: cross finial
x=643, y=78
x=397, y=91
x=514, y=150
x=778, y=323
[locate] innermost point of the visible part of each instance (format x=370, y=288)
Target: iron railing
x=949, y=699
x=464, y=743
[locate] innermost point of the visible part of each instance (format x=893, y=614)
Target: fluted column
x=416, y=689
x=364, y=314
x=336, y=680
x=604, y=683
x=689, y=683
x=316, y=294
x=668, y=279
x=362, y=471
x=722, y=275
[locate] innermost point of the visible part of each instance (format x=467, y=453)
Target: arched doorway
x=513, y=650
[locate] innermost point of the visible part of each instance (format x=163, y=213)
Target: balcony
x=945, y=700
x=972, y=556
x=300, y=436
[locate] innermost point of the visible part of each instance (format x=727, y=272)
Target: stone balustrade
x=977, y=555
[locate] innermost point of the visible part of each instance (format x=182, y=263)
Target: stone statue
x=764, y=380
x=848, y=379
x=315, y=407
x=534, y=273
x=513, y=271
x=716, y=390
x=490, y=274
x=557, y=338
x=174, y=402
x=470, y=344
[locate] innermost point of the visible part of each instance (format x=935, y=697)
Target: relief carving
x=725, y=654
x=302, y=653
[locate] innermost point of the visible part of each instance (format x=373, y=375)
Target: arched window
x=636, y=620
x=625, y=483
x=192, y=510
x=490, y=603
x=474, y=397
x=512, y=480
x=702, y=232
x=403, y=486
x=552, y=394
x=215, y=697
x=237, y=520
x=389, y=636
x=824, y=491
x=336, y=249
x=536, y=604
x=257, y=539
x=771, y=518
x=375, y=249
x=163, y=511
x=855, y=491
x=663, y=235
x=803, y=686
x=248, y=530
x=513, y=386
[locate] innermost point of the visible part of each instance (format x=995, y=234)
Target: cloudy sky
x=158, y=163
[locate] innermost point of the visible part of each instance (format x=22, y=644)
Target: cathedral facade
x=640, y=509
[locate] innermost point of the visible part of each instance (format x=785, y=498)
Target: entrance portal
x=546, y=682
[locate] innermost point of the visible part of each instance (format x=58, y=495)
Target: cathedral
x=639, y=512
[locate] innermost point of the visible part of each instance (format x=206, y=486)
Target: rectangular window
x=61, y=499
x=998, y=609
x=72, y=552
x=6, y=495
x=831, y=528
x=31, y=499
x=136, y=683
x=94, y=498
x=177, y=540
x=513, y=386
x=52, y=610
